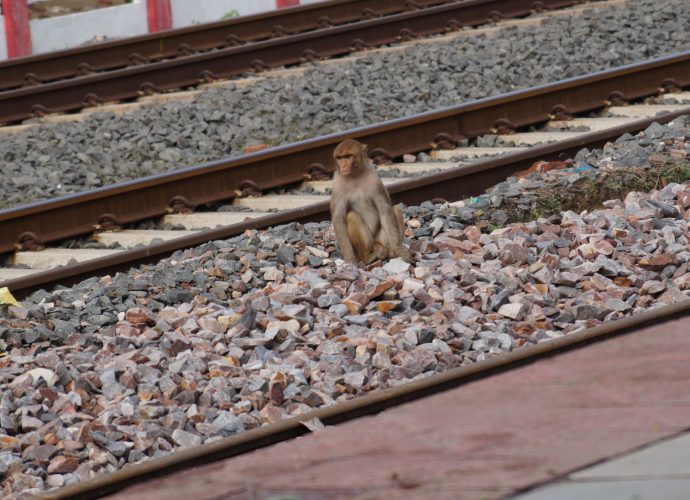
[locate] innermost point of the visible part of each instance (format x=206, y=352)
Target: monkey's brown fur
x=367, y=226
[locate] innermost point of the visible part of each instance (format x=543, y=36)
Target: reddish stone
x=622, y=281
x=10, y=443
x=603, y=247
x=276, y=386
x=542, y=166
x=356, y=302
x=422, y=295
x=684, y=198
x=385, y=306
x=657, y=262
x=622, y=393
x=678, y=154
x=138, y=315
x=539, y=288
x=253, y=148
x=273, y=414
x=473, y=233
x=513, y=254
x=63, y=465
x=550, y=260
x=658, y=159
x=444, y=242
x=380, y=289
x=48, y=394
x=125, y=329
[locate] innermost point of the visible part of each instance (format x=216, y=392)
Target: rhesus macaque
x=366, y=225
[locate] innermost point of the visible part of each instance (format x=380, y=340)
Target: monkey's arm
x=339, y=218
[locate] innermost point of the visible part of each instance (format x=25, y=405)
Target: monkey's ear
x=365, y=150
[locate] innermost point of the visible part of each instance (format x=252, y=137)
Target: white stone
x=291, y=326
x=37, y=373
x=396, y=266
x=467, y=314
x=513, y=311
x=411, y=284
x=318, y=253
x=272, y=274
x=185, y=439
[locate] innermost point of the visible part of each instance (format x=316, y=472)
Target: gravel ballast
x=240, y=333
x=57, y=159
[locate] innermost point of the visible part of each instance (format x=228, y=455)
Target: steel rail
x=77, y=214
x=173, y=43
x=191, y=70
x=366, y=405
x=450, y=185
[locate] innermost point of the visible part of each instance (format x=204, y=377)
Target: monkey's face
x=347, y=164
x=350, y=157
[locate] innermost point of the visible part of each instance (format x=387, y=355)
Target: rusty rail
x=366, y=405
x=190, y=70
x=128, y=202
x=450, y=185
x=42, y=68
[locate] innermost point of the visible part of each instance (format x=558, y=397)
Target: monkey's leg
x=396, y=249
x=360, y=236
x=384, y=249
x=401, y=222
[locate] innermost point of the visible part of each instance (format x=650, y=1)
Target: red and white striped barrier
x=15, y=15
x=22, y=36
x=159, y=15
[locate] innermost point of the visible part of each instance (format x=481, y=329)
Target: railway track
x=171, y=44
x=286, y=430
x=121, y=70
x=278, y=186
x=366, y=405
x=578, y=113
x=26, y=229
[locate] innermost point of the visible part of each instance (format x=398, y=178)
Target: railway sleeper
x=25, y=263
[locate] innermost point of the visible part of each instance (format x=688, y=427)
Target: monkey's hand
x=380, y=252
x=404, y=254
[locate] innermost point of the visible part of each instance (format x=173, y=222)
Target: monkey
x=367, y=227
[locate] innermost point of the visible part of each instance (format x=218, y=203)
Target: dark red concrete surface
x=486, y=439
